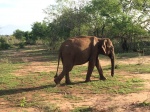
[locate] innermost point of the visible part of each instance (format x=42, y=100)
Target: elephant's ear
x=104, y=45
x=94, y=40
x=107, y=46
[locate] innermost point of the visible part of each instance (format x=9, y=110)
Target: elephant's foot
x=56, y=80
x=87, y=80
x=68, y=82
x=56, y=76
x=102, y=78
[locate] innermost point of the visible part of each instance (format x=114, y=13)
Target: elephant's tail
x=58, y=65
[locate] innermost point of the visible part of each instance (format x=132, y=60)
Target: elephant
x=82, y=49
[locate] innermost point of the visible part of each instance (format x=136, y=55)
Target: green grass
x=144, y=104
x=117, y=85
x=7, y=80
x=126, y=55
x=139, y=68
x=82, y=109
x=46, y=107
x=72, y=97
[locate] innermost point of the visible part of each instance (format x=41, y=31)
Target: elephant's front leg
x=67, y=78
x=90, y=70
x=100, y=70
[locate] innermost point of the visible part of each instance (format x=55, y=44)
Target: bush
x=21, y=45
x=3, y=44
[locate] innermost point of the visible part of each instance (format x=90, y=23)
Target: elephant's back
x=78, y=49
x=76, y=43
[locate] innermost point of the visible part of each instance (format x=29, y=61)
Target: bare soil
x=99, y=102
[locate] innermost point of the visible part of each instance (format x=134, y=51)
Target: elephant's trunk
x=112, y=65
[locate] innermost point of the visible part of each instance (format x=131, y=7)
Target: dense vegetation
x=116, y=19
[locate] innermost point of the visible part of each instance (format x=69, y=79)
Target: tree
x=67, y=17
x=19, y=34
x=29, y=37
x=139, y=10
x=102, y=12
x=118, y=19
x=39, y=30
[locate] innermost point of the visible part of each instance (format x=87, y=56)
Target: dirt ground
x=104, y=102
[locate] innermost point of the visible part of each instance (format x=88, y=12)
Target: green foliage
x=23, y=102
x=106, y=7
x=26, y=37
x=19, y=34
x=97, y=17
x=115, y=19
x=39, y=30
x=21, y=45
x=4, y=44
x=30, y=39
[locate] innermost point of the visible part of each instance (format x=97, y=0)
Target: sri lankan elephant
x=82, y=49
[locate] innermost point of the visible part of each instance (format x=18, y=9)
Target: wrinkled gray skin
x=82, y=49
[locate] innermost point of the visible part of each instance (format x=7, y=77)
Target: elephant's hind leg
x=59, y=78
x=65, y=73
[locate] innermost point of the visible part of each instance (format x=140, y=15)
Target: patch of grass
x=127, y=55
x=52, y=89
x=48, y=107
x=28, y=80
x=116, y=85
x=7, y=80
x=113, y=85
x=82, y=109
x=140, y=68
x=23, y=102
x=36, y=79
x=144, y=104
x=77, y=70
x=72, y=97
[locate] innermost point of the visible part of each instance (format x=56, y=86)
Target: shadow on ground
x=21, y=90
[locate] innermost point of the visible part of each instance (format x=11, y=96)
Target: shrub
x=21, y=45
x=3, y=44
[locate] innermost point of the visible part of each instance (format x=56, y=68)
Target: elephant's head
x=106, y=48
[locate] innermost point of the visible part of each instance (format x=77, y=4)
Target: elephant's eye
x=111, y=48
